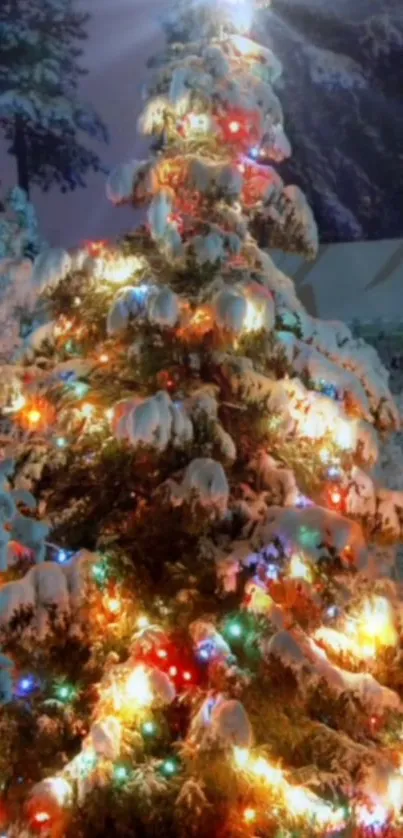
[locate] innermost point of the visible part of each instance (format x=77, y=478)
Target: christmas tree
x=200, y=622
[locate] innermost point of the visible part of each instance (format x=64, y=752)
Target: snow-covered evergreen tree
x=19, y=228
x=41, y=114
x=194, y=539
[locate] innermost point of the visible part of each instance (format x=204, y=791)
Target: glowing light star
x=61, y=442
x=299, y=570
x=138, y=688
x=104, y=358
x=234, y=127
x=62, y=556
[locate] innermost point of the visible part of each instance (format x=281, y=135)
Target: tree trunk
x=20, y=152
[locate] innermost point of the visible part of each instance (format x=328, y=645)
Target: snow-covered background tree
x=42, y=116
x=200, y=620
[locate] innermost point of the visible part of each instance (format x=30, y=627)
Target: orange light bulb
x=114, y=605
x=34, y=416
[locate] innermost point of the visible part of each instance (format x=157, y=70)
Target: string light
x=249, y=815
x=299, y=570
x=162, y=653
x=100, y=573
x=113, y=605
x=41, y=817
x=33, y=416
x=104, y=358
x=169, y=767
x=300, y=801
x=80, y=389
x=234, y=127
x=149, y=728
x=62, y=556
x=235, y=630
x=26, y=685
x=142, y=622
x=138, y=687
x=61, y=442
x=65, y=693
x=335, y=497
x=121, y=773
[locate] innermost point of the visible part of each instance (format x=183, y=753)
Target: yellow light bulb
x=142, y=622
x=138, y=687
x=241, y=757
x=33, y=416
x=299, y=570
x=249, y=815
x=114, y=605
x=269, y=773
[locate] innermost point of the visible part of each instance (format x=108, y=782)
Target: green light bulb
x=149, y=728
x=121, y=773
x=65, y=692
x=169, y=767
x=99, y=572
x=235, y=630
